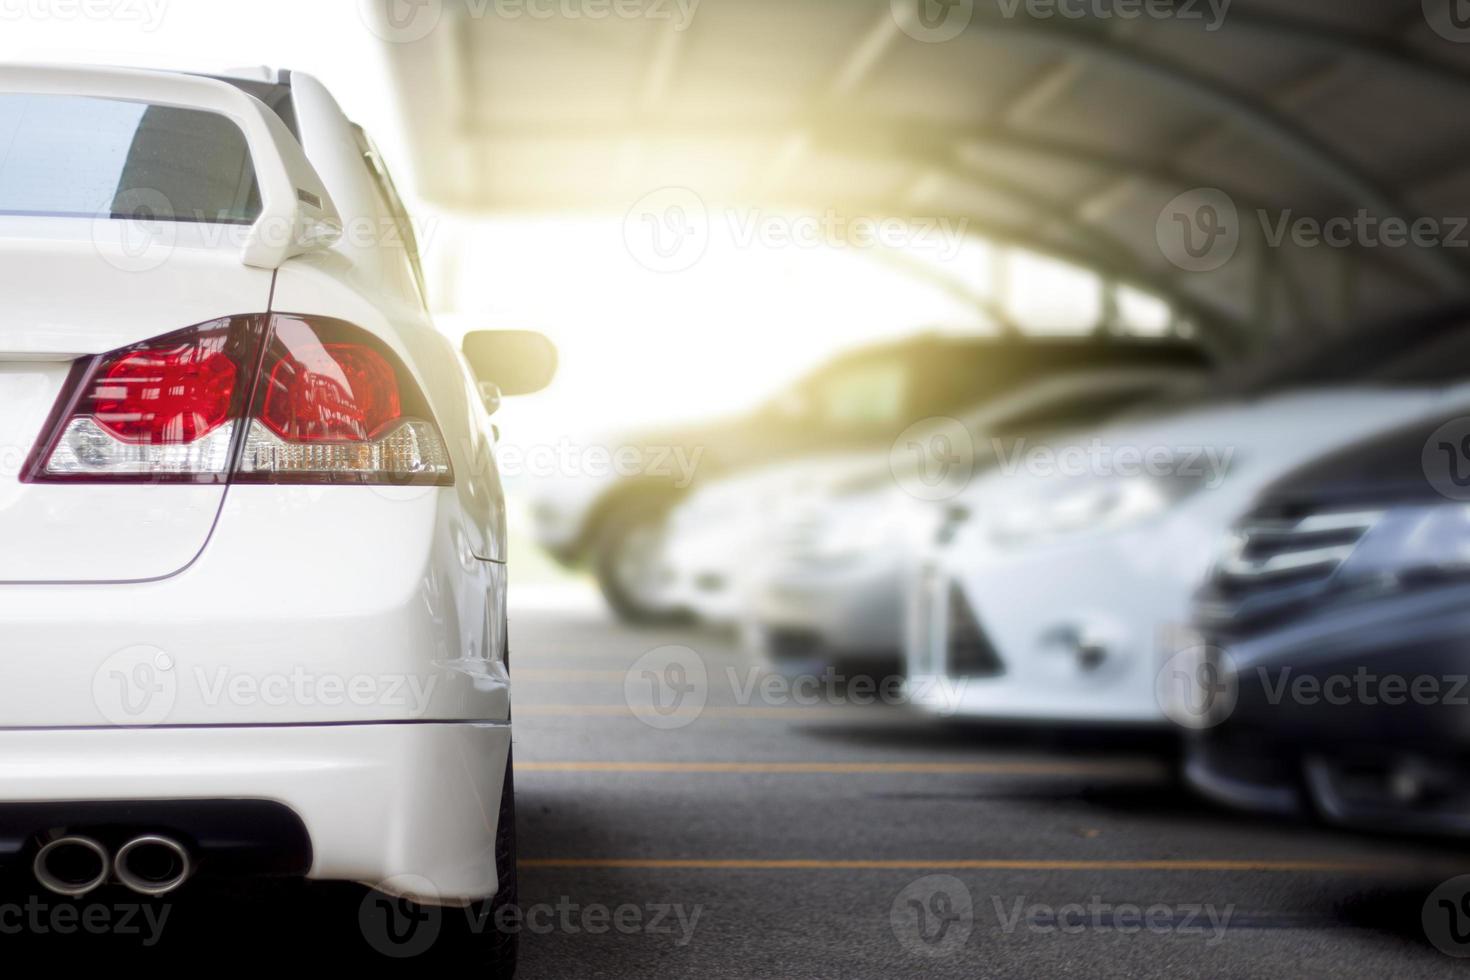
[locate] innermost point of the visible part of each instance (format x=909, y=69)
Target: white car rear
x=253, y=581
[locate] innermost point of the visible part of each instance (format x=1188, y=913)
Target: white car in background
x=718, y=537
x=252, y=588
x=1059, y=596
x=717, y=541
x=825, y=587
x=859, y=402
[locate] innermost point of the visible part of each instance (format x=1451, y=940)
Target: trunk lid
x=75, y=287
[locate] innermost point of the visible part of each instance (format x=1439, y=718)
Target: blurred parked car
x=826, y=586
x=1049, y=602
x=1330, y=667
x=859, y=402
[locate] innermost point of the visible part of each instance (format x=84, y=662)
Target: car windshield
x=84, y=157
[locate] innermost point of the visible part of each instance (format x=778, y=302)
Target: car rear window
x=75, y=156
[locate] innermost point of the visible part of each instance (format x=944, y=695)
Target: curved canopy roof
x=1069, y=126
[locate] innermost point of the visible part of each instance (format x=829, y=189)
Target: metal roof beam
x=1252, y=115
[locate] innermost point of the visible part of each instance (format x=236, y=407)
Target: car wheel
x=503, y=945
x=629, y=562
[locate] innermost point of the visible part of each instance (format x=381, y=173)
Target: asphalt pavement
x=683, y=814
x=780, y=831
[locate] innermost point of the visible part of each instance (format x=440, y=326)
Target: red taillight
x=176, y=394
x=331, y=393
x=333, y=405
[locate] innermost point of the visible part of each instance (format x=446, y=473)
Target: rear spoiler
x=297, y=214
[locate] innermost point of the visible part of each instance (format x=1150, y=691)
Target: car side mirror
x=509, y=362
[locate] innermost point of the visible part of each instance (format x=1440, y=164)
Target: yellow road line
x=857, y=768
x=999, y=864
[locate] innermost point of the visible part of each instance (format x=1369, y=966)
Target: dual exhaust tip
x=150, y=865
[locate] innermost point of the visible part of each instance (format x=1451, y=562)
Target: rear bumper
x=310, y=605
x=411, y=807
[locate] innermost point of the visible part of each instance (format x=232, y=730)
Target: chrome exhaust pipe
x=152, y=864
x=71, y=865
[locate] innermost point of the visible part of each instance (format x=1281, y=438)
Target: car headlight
x=1098, y=505
x=1408, y=545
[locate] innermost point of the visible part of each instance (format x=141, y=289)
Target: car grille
x=1272, y=562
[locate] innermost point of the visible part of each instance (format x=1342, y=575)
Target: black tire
x=616, y=535
x=502, y=945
